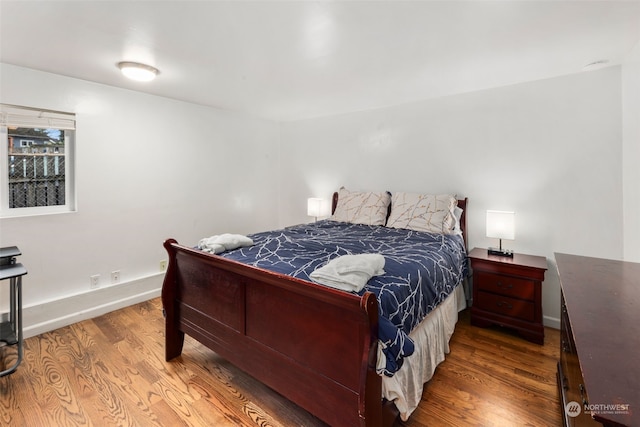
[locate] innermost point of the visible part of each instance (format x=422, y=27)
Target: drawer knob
x=502, y=286
x=504, y=304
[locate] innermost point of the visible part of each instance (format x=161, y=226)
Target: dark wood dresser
x=599, y=370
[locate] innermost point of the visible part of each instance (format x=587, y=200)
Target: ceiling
x=290, y=60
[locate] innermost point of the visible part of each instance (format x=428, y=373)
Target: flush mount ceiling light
x=137, y=71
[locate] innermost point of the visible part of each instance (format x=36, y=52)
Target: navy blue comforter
x=421, y=269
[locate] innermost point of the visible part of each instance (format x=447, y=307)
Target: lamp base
x=500, y=252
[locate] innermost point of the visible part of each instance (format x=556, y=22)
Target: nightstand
x=508, y=292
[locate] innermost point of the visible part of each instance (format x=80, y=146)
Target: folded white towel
x=224, y=242
x=349, y=272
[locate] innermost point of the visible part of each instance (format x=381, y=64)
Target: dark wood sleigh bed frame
x=314, y=345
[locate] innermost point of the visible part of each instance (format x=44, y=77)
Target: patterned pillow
x=358, y=207
x=423, y=212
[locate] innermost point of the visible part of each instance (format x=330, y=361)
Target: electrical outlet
x=115, y=276
x=94, y=281
x=163, y=265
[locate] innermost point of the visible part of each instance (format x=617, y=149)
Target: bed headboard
x=462, y=204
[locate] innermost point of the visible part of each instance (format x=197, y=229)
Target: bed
x=318, y=346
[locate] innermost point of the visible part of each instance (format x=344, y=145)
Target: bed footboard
x=314, y=345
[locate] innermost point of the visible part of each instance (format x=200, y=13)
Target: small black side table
x=11, y=331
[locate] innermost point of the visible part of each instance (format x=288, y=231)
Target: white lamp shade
x=314, y=207
x=501, y=225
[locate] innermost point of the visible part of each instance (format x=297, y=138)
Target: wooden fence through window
x=36, y=179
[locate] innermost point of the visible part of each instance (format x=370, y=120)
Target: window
x=36, y=159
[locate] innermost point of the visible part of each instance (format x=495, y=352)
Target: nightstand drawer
x=505, y=285
x=504, y=305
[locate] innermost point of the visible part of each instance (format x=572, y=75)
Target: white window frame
x=13, y=115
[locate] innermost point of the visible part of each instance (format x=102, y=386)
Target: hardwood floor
x=110, y=371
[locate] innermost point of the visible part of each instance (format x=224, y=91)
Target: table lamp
x=314, y=207
x=501, y=225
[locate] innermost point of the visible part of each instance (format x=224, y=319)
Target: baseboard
x=551, y=322
x=55, y=314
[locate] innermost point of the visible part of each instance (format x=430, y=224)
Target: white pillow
x=359, y=207
x=423, y=212
x=457, y=213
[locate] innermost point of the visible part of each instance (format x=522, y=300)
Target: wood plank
x=110, y=371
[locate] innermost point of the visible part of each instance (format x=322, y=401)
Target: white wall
x=151, y=168
x=549, y=150
x=148, y=168
x=631, y=153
